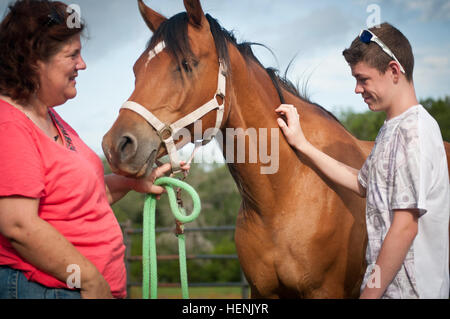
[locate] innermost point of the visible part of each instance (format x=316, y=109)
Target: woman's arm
x=43, y=246
x=117, y=187
x=336, y=171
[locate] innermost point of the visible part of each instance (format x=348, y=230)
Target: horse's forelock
x=174, y=33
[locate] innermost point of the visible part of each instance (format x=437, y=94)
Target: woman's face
x=57, y=76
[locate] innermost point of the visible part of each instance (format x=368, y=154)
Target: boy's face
x=375, y=88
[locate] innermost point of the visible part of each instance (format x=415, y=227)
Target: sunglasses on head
x=55, y=17
x=366, y=36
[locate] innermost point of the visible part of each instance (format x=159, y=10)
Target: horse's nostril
x=124, y=142
x=126, y=147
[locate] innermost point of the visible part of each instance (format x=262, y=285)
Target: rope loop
x=169, y=184
x=149, y=258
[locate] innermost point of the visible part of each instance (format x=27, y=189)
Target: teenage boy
x=404, y=179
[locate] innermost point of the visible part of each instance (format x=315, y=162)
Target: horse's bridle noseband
x=166, y=132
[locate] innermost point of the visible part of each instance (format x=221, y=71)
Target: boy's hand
x=292, y=130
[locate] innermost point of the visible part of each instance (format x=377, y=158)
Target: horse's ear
x=152, y=18
x=195, y=12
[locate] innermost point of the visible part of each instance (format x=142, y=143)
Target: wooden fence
x=128, y=231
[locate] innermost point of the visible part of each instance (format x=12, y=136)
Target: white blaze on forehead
x=155, y=51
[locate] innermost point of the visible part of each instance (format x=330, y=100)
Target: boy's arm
x=395, y=246
x=336, y=171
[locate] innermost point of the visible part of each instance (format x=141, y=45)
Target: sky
x=313, y=32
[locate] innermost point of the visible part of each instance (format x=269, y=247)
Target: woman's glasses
x=55, y=17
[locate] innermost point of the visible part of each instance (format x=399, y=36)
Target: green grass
x=194, y=293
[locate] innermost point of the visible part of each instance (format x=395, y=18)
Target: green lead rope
x=149, y=261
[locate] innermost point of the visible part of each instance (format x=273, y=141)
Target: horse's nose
x=130, y=151
x=126, y=147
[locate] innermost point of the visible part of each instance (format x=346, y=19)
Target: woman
x=58, y=235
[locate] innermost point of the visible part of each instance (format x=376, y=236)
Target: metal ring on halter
x=220, y=95
x=163, y=131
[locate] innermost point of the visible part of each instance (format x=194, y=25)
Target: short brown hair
x=375, y=57
x=32, y=30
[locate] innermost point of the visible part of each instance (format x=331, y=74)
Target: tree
x=366, y=125
x=440, y=110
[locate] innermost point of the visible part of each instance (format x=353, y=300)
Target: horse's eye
x=187, y=67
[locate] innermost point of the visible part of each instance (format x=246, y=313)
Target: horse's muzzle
x=128, y=153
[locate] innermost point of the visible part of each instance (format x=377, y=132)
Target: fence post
x=244, y=284
x=127, y=241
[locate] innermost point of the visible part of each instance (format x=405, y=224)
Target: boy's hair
x=374, y=56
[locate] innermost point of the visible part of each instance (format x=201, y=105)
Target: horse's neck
x=254, y=99
x=252, y=102
x=252, y=107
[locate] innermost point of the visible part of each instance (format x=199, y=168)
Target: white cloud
x=436, y=62
x=330, y=81
x=429, y=10
x=426, y=10
x=432, y=70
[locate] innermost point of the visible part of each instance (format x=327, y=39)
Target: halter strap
x=165, y=131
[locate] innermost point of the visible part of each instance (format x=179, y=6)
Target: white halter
x=165, y=131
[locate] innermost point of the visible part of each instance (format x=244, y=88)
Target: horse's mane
x=174, y=33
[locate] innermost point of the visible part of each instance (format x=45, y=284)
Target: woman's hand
x=95, y=288
x=118, y=186
x=146, y=185
x=292, y=130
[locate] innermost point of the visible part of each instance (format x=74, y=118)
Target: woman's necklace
x=32, y=118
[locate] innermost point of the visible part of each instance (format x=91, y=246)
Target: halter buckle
x=165, y=133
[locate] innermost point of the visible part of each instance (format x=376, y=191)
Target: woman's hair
x=375, y=57
x=32, y=31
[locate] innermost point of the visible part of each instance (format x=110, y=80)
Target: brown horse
x=297, y=233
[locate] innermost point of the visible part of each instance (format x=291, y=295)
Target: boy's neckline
x=395, y=118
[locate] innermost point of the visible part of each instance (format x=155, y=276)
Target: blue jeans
x=14, y=285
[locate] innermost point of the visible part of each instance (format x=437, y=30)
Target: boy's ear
x=395, y=70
